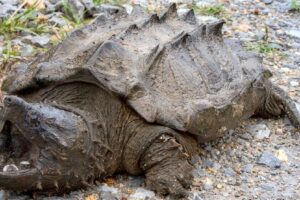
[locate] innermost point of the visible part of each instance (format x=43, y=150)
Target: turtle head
x=43, y=147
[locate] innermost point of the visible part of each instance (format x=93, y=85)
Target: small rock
x=268, y=1
x=11, y=2
x=260, y=131
x=195, y=195
x=106, y=188
x=275, y=46
x=207, y=19
x=142, y=194
x=3, y=195
x=27, y=50
x=106, y=8
x=208, y=184
x=229, y=172
x=6, y=10
x=128, y=8
x=56, y=20
x=24, y=165
x=293, y=33
x=205, y=3
x=182, y=11
x=268, y=159
x=268, y=187
x=281, y=155
x=207, y=163
x=39, y=41
x=10, y=168
x=89, y=6
x=74, y=9
x=294, y=83
x=245, y=136
x=298, y=106
x=247, y=168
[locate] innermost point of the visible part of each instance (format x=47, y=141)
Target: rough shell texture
x=171, y=71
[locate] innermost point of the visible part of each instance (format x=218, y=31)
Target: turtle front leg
x=277, y=103
x=167, y=167
x=163, y=155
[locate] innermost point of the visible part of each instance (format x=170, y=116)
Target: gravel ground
x=258, y=160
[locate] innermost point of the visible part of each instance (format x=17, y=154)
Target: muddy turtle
x=132, y=93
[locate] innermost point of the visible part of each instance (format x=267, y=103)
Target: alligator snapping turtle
x=130, y=93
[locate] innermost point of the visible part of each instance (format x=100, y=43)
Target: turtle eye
x=8, y=101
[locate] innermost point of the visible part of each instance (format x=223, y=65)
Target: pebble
x=206, y=19
x=89, y=6
x=281, y=155
x=195, y=195
x=39, y=41
x=3, y=195
x=294, y=83
x=182, y=11
x=142, y=194
x=26, y=50
x=268, y=159
x=24, y=164
x=229, y=172
x=128, y=8
x=106, y=188
x=109, y=8
x=293, y=33
x=208, y=184
x=56, y=20
x=248, y=168
x=268, y=1
x=259, y=131
x=6, y=10
x=268, y=187
x=10, y=168
x=77, y=9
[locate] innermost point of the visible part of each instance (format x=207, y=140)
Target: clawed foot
x=167, y=167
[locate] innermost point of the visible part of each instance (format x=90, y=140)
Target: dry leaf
x=38, y=4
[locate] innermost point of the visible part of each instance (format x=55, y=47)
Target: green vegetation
x=264, y=46
x=213, y=10
x=71, y=15
x=113, y=2
x=295, y=6
x=28, y=21
x=9, y=51
x=261, y=47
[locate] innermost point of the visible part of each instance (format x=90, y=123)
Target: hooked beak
x=44, y=137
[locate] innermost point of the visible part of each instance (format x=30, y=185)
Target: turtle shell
x=171, y=70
